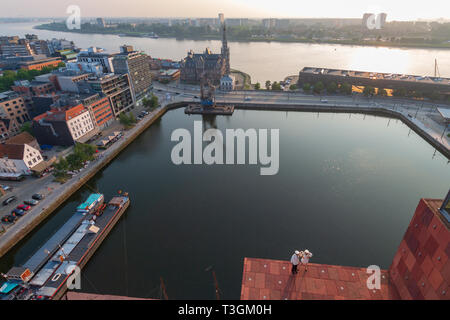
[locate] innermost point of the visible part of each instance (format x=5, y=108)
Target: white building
x=18, y=159
x=227, y=83
x=79, y=122
x=94, y=54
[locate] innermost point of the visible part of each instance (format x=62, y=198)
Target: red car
x=24, y=207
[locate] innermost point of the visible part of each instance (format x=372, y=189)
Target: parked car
x=37, y=196
x=9, y=200
x=6, y=188
x=23, y=207
x=31, y=202
x=17, y=212
x=9, y=218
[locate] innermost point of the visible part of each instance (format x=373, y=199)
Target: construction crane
x=207, y=91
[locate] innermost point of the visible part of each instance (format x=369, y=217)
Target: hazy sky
x=396, y=9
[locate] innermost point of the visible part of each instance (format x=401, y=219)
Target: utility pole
x=216, y=284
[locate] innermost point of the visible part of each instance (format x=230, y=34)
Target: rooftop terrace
x=265, y=279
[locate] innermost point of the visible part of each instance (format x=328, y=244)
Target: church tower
x=225, y=49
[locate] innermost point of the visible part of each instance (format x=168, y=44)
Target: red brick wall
x=421, y=268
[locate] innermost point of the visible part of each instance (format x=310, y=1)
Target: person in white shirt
x=305, y=255
x=295, y=260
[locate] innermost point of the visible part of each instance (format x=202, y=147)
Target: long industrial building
x=424, y=84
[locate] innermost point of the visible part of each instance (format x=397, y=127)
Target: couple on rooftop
x=300, y=257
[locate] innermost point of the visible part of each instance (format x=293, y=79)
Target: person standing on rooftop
x=305, y=255
x=295, y=260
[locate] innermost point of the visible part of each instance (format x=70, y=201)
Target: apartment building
x=136, y=65
x=64, y=126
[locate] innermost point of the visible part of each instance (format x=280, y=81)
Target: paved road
x=423, y=113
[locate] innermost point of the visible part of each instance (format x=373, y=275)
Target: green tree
x=154, y=102
x=146, y=102
x=382, y=92
x=306, y=87
x=369, y=91
x=435, y=96
x=346, y=88
x=276, y=86
x=318, y=87
x=257, y=86
x=127, y=119
x=26, y=127
x=268, y=85
x=401, y=92
x=293, y=87
x=61, y=167
x=332, y=87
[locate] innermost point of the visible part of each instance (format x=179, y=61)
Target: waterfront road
x=422, y=114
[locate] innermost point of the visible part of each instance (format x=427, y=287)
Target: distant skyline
x=396, y=10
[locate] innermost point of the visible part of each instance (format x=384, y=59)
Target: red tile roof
x=272, y=280
x=12, y=151
x=62, y=114
x=21, y=138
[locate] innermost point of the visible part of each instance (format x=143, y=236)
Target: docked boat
x=45, y=275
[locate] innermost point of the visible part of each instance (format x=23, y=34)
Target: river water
x=267, y=60
x=347, y=186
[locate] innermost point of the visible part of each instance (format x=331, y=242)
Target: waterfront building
x=56, y=45
x=12, y=106
x=8, y=128
x=227, y=83
x=94, y=68
x=68, y=80
x=136, y=65
x=214, y=66
x=33, y=88
x=101, y=112
x=115, y=86
x=98, y=105
x=40, y=47
x=18, y=159
x=94, y=54
x=41, y=104
x=64, y=126
x=168, y=75
x=24, y=138
x=39, y=64
x=16, y=47
x=426, y=84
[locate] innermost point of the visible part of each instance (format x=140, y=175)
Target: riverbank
x=443, y=46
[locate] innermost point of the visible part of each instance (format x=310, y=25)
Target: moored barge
x=45, y=275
